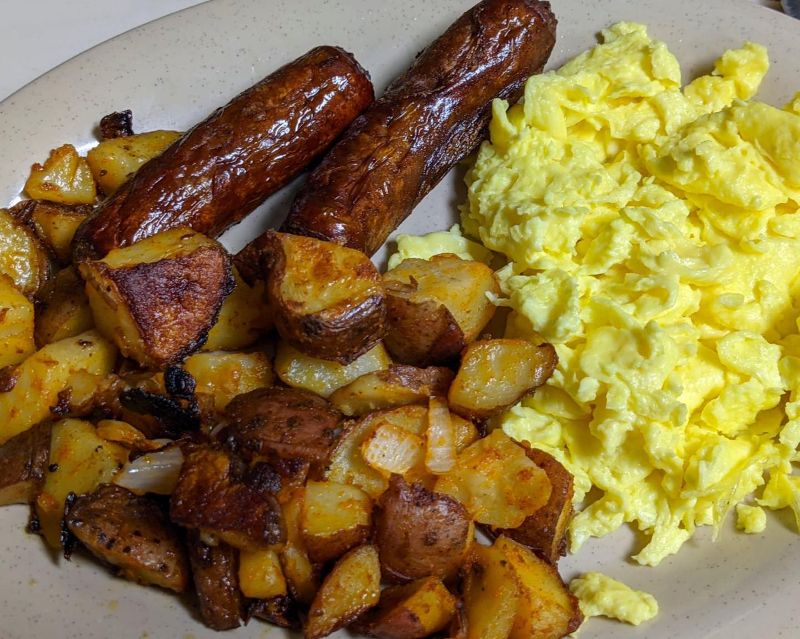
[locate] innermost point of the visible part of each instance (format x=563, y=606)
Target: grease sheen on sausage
x=224, y=167
x=430, y=118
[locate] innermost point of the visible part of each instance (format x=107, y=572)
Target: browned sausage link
x=429, y=119
x=225, y=166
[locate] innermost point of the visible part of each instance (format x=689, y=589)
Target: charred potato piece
x=114, y=161
x=497, y=373
x=347, y=464
x=436, y=307
x=491, y=594
x=244, y=317
x=215, y=576
x=334, y=518
x=55, y=224
x=280, y=611
x=16, y=324
x=22, y=256
x=412, y=611
x=222, y=376
x=33, y=388
x=116, y=125
x=327, y=300
x=284, y=423
x=398, y=385
x=63, y=308
x=157, y=299
x=79, y=462
x=322, y=376
x=545, y=531
x=546, y=609
x=260, y=574
x=420, y=533
x=23, y=460
x=497, y=482
x=351, y=588
x=214, y=494
x=131, y=533
x=302, y=576
x=64, y=178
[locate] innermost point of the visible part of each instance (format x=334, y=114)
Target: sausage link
x=228, y=164
x=430, y=118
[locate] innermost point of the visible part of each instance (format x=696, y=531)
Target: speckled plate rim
x=171, y=72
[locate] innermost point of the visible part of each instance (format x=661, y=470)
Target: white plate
x=172, y=73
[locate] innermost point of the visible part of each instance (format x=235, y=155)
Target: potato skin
x=427, y=120
x=283, y=423
x=328, y=301
x=214, y=493
x=420, y=533
x=130, y=532
x=239, y=155
x=216, y=580
x=23, y=460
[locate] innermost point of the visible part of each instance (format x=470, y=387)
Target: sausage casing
x=220, y=170
x=430, y=118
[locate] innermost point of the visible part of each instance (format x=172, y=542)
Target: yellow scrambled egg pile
x=653, y=236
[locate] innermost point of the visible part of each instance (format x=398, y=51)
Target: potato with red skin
x=328, y=300
x=216, y=581
x=420, y=533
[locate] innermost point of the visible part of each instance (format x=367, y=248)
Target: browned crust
x=239, y=155
x=430, y=118
x=118, y=124
x=132, y=533
x=420, y=533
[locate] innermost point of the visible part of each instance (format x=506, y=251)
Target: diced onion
x=392, y=450
x=440, y=452
x=155, y=472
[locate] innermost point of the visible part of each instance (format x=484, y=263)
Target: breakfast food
x=427, y=120
x=234, y=157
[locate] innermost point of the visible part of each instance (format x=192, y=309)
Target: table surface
x=65, y=29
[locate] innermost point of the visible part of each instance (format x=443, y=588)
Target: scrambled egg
x=600, y=595
x=652, y=234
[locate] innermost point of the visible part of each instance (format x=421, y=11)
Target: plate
x=171, y=73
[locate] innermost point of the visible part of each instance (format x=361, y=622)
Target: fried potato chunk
x=491, y=594
x=260, y=574
x=63, y=308
x=221, y=376
x=322, y=376
x=64, y=177
x=79, y=462
x=412, y=611
x=54, y=224
x=22, y=256
x=282, y=423
x=420, y=533
x=131, y=533
x=546, y=609
x=158, y=298
x=45, y=379
x=436, y=307
x=545, y=531
x=244, y=317
x=216, y=495
x=334, y=519
x=497, y=482
x=23, y=460
x=351, y=588
x=497, y=373
x=216, y=581
x=16, y=324
x=114, y=161
x=398, y=385
x=302, y=576
x=328, y=300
